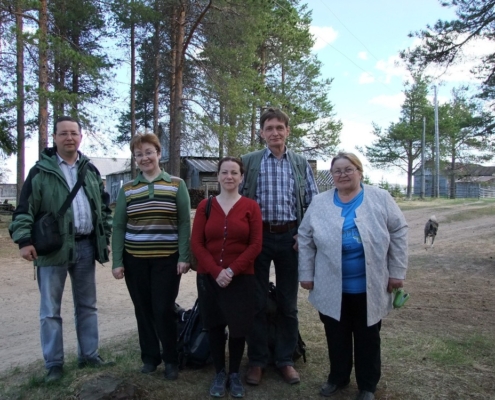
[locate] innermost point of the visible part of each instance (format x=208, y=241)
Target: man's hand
x=29, y=253
x=183, y=268
x=307, y=285
x=118, y=273
x=296, y=247
x=394, y=284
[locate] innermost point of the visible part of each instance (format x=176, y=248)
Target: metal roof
x=203, y=165
x=108, y=165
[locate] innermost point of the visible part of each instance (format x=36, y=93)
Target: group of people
x=347, y=246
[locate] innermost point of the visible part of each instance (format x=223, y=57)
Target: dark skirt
x=232, y=306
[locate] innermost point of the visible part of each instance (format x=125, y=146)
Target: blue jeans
x=51, y=282
x=279, y=249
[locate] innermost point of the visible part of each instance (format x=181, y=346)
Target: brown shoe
x=253, y=375
x=290, y=374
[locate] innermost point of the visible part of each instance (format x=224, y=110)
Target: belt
x=78, y=238
x=279, y=228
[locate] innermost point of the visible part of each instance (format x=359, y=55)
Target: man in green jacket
x=85, y=229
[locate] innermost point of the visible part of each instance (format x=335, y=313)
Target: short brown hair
x=233, y=159
x=66, y=118
x=150, y=138
x=352, y=158
x=272, y=113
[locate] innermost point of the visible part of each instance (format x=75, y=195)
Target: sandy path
x=19, y=304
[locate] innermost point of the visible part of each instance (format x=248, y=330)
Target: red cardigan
x=233, y=240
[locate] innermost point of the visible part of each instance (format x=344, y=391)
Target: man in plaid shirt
x=283, y=184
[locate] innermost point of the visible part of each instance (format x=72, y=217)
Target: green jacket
x=252, y=163
x=45, y=190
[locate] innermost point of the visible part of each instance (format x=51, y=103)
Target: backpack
x=271, y=316
x=193, y=343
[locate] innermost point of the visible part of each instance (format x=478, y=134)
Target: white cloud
x=392, y=67
x=323, y=35
x=366, y=78
x=355, y=133
x=393, y=102
x=363, y=55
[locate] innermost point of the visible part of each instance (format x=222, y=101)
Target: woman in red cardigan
x=226, y=244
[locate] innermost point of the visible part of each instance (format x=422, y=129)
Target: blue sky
x=358, y=42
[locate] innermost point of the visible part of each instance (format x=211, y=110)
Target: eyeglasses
x=147, y=154
x=65, y=135
x=347, y=171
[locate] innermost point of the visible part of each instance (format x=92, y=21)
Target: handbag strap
x=73, y=192
x=208, y=207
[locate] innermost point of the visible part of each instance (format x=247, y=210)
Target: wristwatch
x=230, y=272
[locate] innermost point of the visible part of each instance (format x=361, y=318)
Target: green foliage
x=443, y=43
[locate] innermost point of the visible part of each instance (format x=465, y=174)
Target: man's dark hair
x=272, y=113
x=66, y=118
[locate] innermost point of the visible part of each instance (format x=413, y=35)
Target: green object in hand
x=400, y=297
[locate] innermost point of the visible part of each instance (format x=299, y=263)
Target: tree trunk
x=43, y=77
x=452, y=174
x=20, y=99
x=175, y=134
x=156, y=74
x=133, y=91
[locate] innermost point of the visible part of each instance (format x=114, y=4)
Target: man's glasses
x=65, y=135
x=347, y=171
x=147, y=154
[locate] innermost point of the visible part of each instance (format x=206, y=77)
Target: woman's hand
x=223, y=278
x=394, y=283
x=307, y=285
x=118, y=273
x=183, y=268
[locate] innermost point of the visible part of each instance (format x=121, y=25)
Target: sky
x=358, y=43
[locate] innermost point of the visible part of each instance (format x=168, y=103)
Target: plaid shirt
x=275, y=189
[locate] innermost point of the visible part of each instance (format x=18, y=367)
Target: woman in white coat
x=352, y=254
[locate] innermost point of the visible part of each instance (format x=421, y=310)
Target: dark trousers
x=279, y=249
x=153, y=284
x=340, y=336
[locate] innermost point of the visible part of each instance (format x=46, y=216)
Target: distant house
x=197, y=172
x=108, y=165
x=470, y=181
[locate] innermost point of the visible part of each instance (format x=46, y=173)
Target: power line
x=348, y=30
x=338, y=51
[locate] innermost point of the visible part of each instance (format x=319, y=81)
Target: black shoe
x=148, y=368
x=365, y=395
x=54, y=374
x=217, y=388
x=171, y=372
x=236, y=388
x=330, y=389
x=96, y=362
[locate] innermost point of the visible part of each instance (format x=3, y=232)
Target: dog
x=431, y=229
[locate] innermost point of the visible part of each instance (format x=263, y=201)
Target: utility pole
x=437, y=149
x=423, y=143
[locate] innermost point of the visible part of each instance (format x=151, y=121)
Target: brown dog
x=431, y=229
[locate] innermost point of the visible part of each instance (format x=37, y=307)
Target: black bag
x=271, y=316
x=193, y=343
x=45, y=234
